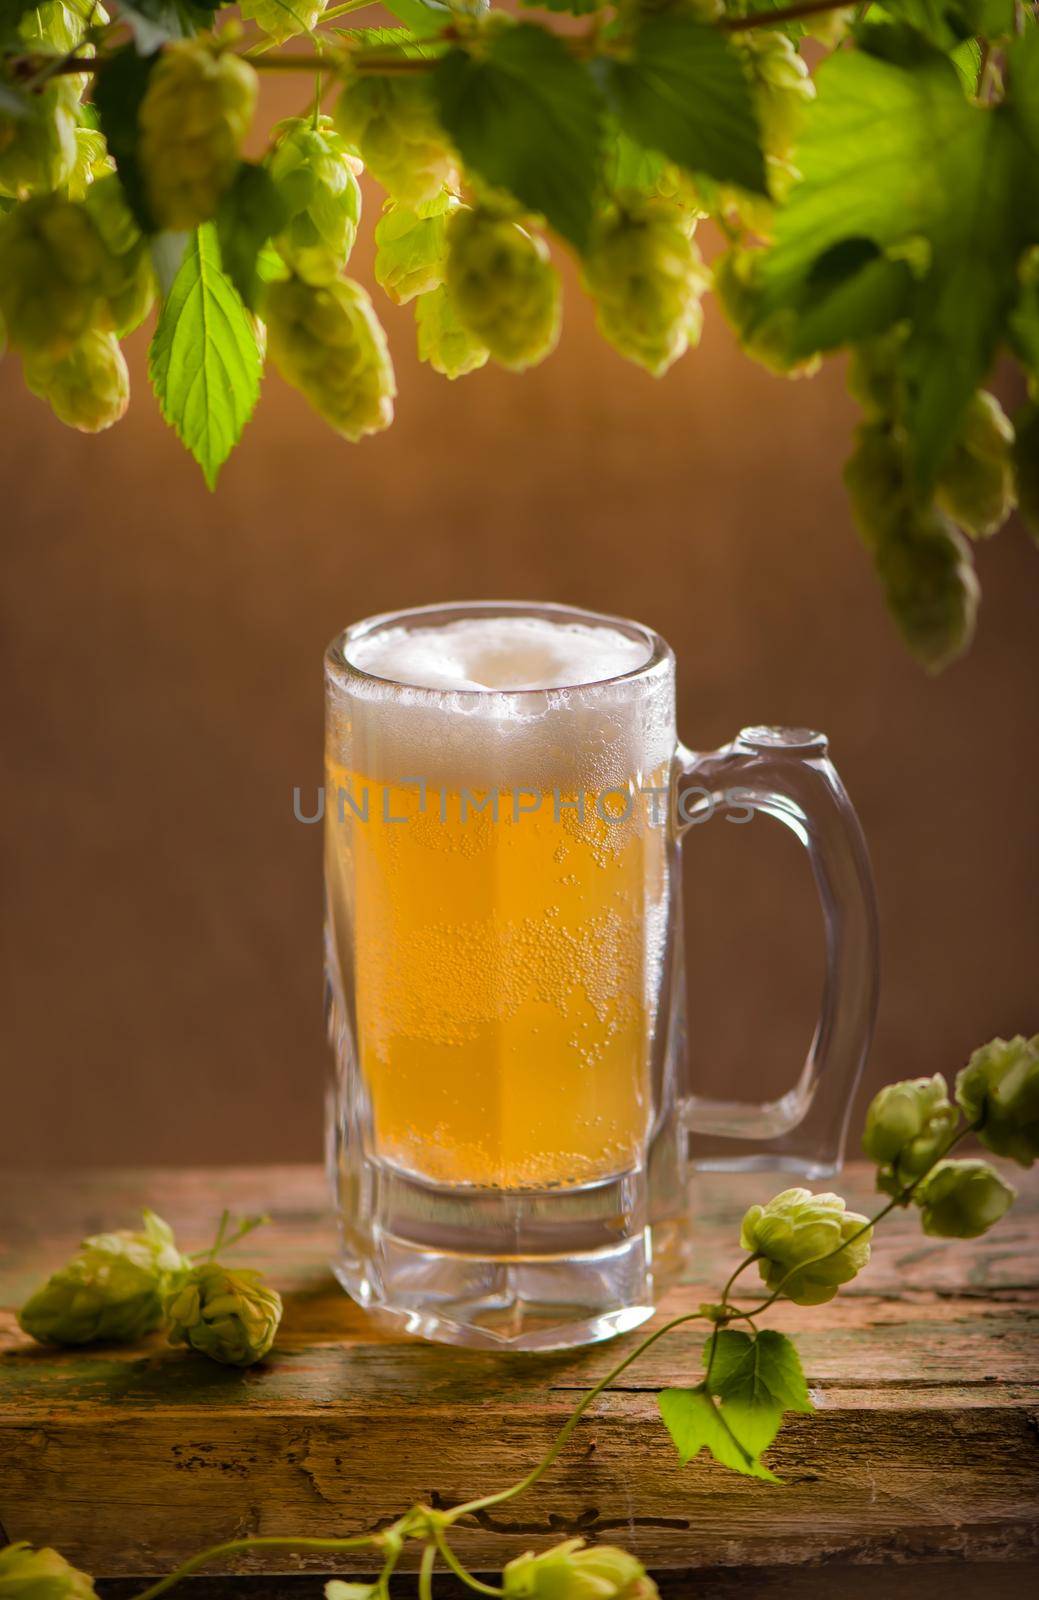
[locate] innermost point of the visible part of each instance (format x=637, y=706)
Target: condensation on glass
x=511, y=1101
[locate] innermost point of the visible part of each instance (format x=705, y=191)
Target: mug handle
x=786, y=773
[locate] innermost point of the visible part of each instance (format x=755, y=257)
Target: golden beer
x=508, y=950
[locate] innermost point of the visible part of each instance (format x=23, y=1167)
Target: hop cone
x=89, y=388
x=646, y=276
x=572, y=1571
x=797, y=1227
x=962, y=1199
x=767, y=340
x=328, y=343
x=907, y=1124
x=976, y=485
x=1026, y=466
x=38, y=150
x=28, y=1574
x=231, y=1317
x=921, y=559
x=111, y=1290
x=449, y=348
x=316, y=178
x=56, y=275
x=194, y=115
x=781, y=88
x=411, y=254
x=503, y=287
x=131, y=279
x=999, y=1087
x=283, y=19
x=57, y=26
x=392, y=123
x=92, y=162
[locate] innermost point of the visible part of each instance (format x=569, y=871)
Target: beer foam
x=556, y=703
x=498, y=654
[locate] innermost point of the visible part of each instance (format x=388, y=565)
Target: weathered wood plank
x=925, y=1446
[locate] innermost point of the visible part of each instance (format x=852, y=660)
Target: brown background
x=161, y=986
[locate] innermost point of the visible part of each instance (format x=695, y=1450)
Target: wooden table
x=923, y=1456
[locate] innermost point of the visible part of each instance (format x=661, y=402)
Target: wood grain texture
x=924, y=1447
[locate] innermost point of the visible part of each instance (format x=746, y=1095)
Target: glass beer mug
x=510, y=1105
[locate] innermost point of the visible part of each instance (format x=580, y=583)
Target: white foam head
x=501, y=700
x=499, y=654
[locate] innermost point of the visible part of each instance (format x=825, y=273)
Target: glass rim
x=336, y=659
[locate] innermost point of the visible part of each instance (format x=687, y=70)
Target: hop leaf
x=976, y=484
x=962, y=1199
x=999, y=1087
x=646, y=276
x=411, y=248
x=572, y=1571
x=797, y=1227
x=907, y=1125
x=111, y=1290
x=194, y=115
x=57, y=277
x=28, y=1574
x=328, y=343
x=449, y=348
x=393, y=124
x=89, y=388
x=503, y=287
x=922, y=561
x=316, y=178
x=232, y=1317
x=131, y=277
x=38, y=149
x=283, y=19
x=781, y=88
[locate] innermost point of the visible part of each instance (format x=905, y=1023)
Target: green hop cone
x=56, y=275
x=999, y=1087
x=830, y=28
x=797, y=1227
x=976, y=484
x=392, y=123
x=194, y=115
x=962, y=1199
x=283, y=19
x=781, y=88
x=38, y=149
x=58, y=26
x=328, y=343
x=112, y=1290
x=411, y=248
x=449, y=347
x=89, y=387
x=646, y=276
x=316, y=177
x=768, y=340
x=131, y=284
x=232, y=1317
x=907, y=1125
x=28, y=1574
x=921, y=559
x=1026, y=466
x=92, y=162
x=575, y=1571
x=503, y=287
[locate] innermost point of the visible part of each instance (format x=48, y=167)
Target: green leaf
x=695, y=1423
x=204, y=361
x=528, y=118
x=250, y=212
x=575, y=8
x=119, y=88
x=892, y=154
x=761, y=1370
x=683, y=92
x=629, y=165
x=423, y=17
x=401, y=41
